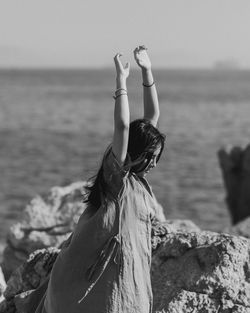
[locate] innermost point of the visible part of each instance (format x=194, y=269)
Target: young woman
x=105, y=268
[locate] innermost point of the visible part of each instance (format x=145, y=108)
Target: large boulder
x=46, y=222
x=201, y=272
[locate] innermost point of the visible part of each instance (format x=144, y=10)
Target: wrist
x=121, y=82
x=121, y=78
x=147, y=77
x=146, y=70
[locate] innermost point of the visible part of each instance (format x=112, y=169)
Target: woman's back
x=124, y=284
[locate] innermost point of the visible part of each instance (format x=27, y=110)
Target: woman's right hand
x=122, y=72
x=142, y=58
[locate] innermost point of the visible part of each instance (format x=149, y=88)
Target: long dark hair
x=144, y=139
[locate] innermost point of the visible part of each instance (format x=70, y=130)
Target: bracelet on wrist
x=144, y=85
x=120, y=89
x=121, y=94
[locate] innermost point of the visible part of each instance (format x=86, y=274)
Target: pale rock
x=160, y=229
x=45, y=223
x=201, y=272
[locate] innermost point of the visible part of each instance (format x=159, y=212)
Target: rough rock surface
x=192, y=271
x=32, y=273
x=201, y=272
x=160, y=230
x=27, y=278
x=235, y=166
x=176, y=225
x=240, y=229
x=46, y=222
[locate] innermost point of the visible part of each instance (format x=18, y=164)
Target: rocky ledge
x=192, y=270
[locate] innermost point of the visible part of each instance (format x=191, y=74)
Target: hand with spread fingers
x=142, y=58
x=121, y=71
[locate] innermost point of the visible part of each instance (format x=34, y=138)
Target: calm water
x=55, y=125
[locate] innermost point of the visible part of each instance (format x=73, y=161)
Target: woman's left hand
x=121, y=71
x=142, y=58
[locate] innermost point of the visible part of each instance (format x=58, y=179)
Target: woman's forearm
x=150, y=97
x=121, y=112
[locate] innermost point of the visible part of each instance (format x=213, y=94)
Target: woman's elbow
x=122, y=125
x=156, y=115
x=153, y=118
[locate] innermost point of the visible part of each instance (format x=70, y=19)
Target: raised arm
x=121, y=111
x=150, y=97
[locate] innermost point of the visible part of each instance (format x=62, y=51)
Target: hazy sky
x=192, y=33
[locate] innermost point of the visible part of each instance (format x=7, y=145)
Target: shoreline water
x=55, y=126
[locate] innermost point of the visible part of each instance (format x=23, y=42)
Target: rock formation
x=192, y=271
x=201, y=272
x=46, y=223
x=28, y=282
x=235, y=166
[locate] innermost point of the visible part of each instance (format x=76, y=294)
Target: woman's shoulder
x=111, y=164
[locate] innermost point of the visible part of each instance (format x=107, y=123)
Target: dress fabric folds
x=106, y=266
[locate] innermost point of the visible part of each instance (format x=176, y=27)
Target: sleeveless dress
x=106, y=266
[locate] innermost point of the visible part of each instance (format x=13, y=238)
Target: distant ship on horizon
x=229, y=64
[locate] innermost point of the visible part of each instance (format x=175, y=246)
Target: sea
x=56, y=124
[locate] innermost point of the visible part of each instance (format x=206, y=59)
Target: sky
x=87, y=33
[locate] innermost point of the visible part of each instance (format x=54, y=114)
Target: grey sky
x=192, y=33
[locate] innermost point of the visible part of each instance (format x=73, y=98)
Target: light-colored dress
x=106, y=267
